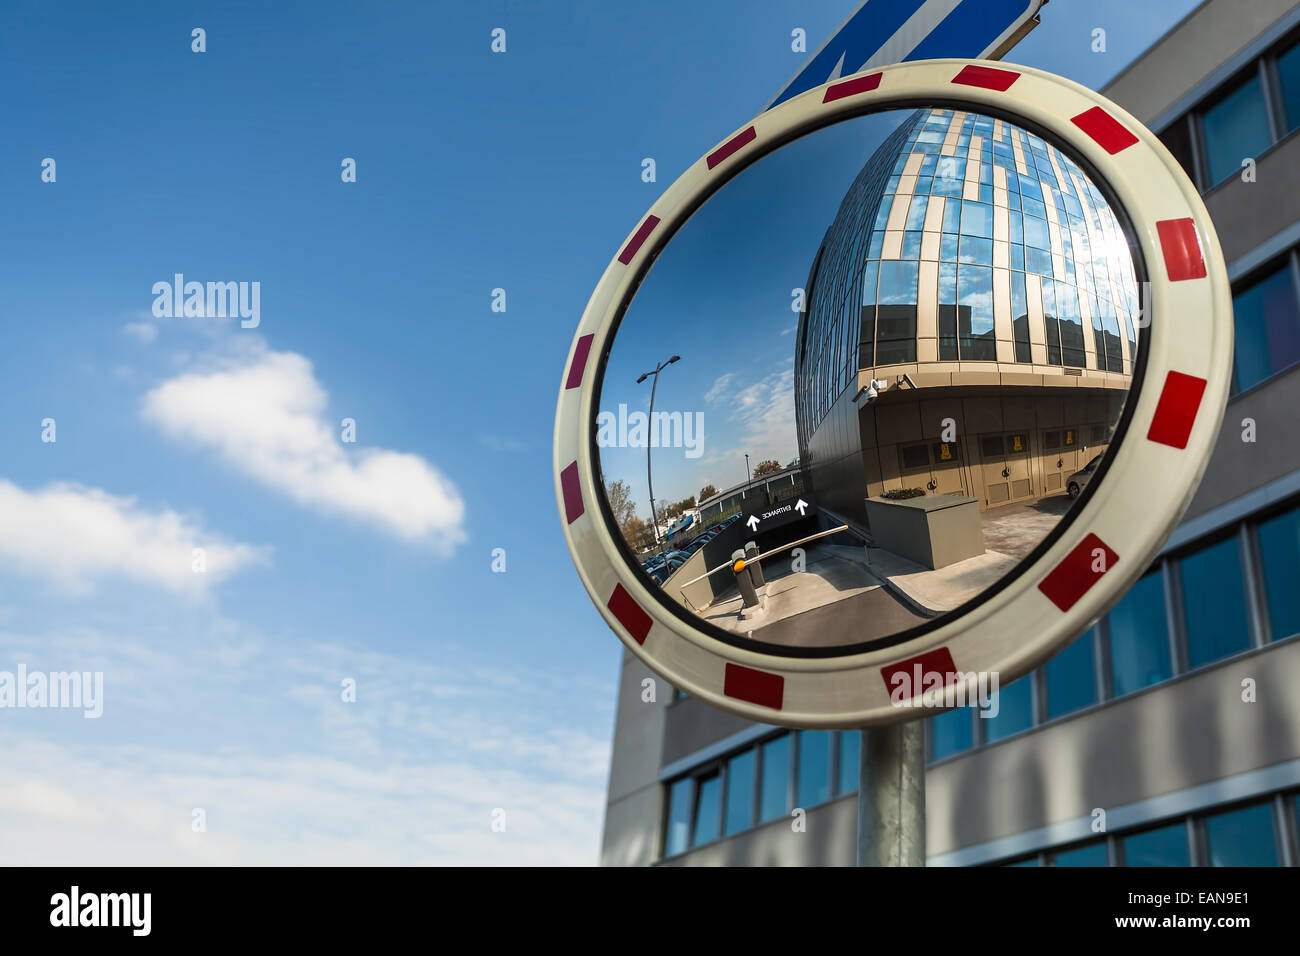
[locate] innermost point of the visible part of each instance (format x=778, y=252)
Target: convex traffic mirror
x=908, y=377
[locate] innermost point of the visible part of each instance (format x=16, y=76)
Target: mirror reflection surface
x=867, y=378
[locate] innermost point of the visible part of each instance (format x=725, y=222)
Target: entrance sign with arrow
x=769, y=517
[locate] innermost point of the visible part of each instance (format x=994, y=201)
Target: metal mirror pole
x=891, y=795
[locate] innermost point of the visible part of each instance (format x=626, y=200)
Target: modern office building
x=970, y=322
x=1177, y=713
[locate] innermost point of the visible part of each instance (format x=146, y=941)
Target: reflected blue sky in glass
x=740, y=792
x=1279, y=547
x=850, y=760
x=1015, y=710
x=1071, y=680
x=1164, y=846
x=1214, y=603
x=679, y=816
x=707, y=811
x=814, y=767
x=774, y=794
x=1091, y=854
x=1242, y=837
x=1236, y=127
x=1139, y=638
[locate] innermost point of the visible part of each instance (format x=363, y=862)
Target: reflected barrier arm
x=784, y=547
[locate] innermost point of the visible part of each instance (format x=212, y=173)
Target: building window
x=707, y=805
x=1288, y=77
x=1214, y=603
x=950, y=732
x=740, y=793
x=975, y=341
x=1242, y=837
x=1015, y=710
x=1088, y=854
x=814, y=767
x=1267, y=328
x=774, y=794
x=1020, y=316
x=679, y=816
x=850, y=759
x=1071, y=678
x=1163, y=846
x=1138, y=637
x=1234, y=128
x=1279, y=551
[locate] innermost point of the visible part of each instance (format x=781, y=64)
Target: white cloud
x=763, y=411
x=143, y=332
x=264, y=412
x=720, y=387
x=399, y=777
x=73, y=536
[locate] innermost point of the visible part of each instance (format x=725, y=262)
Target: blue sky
x=721, y=296
x=329, y=561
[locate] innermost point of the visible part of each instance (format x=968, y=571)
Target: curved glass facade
x=965, y=239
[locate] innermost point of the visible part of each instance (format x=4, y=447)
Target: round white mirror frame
x=1173, y=420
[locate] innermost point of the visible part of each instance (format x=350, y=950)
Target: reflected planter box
x=934, y=530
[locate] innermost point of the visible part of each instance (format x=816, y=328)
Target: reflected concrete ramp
x=938, y=591
x=834, y=600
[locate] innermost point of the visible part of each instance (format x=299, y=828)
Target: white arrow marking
x=752, y=522
x=801, y=507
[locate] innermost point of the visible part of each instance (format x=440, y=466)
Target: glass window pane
x=776, y=778
x=975, y=314
x=952, y=216
x=1279, y=550
x=1214, y=600
x=707, y=811
x=977, y=220
x=1288, y=74
x=896, y=325
x=1071, y=679
x=814, y=767
x=1267, y=329
x=1090, y=854
x=898, y=283
x=950, y=732
x=740, y=792
x=679, y=816
x=1165, y=846
x=1036, y=233
x=850, y=759
x=916, y=212
x=1015, y=710
x=1139, y=637
x=1242, y=837
x=1236, y=127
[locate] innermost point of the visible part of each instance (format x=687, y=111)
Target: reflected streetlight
x=654, y=519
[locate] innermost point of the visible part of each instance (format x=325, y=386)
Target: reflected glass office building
x=986, y=266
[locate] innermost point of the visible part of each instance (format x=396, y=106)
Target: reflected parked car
x=658, y=560
x=1079, y=480
x=663, y=571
